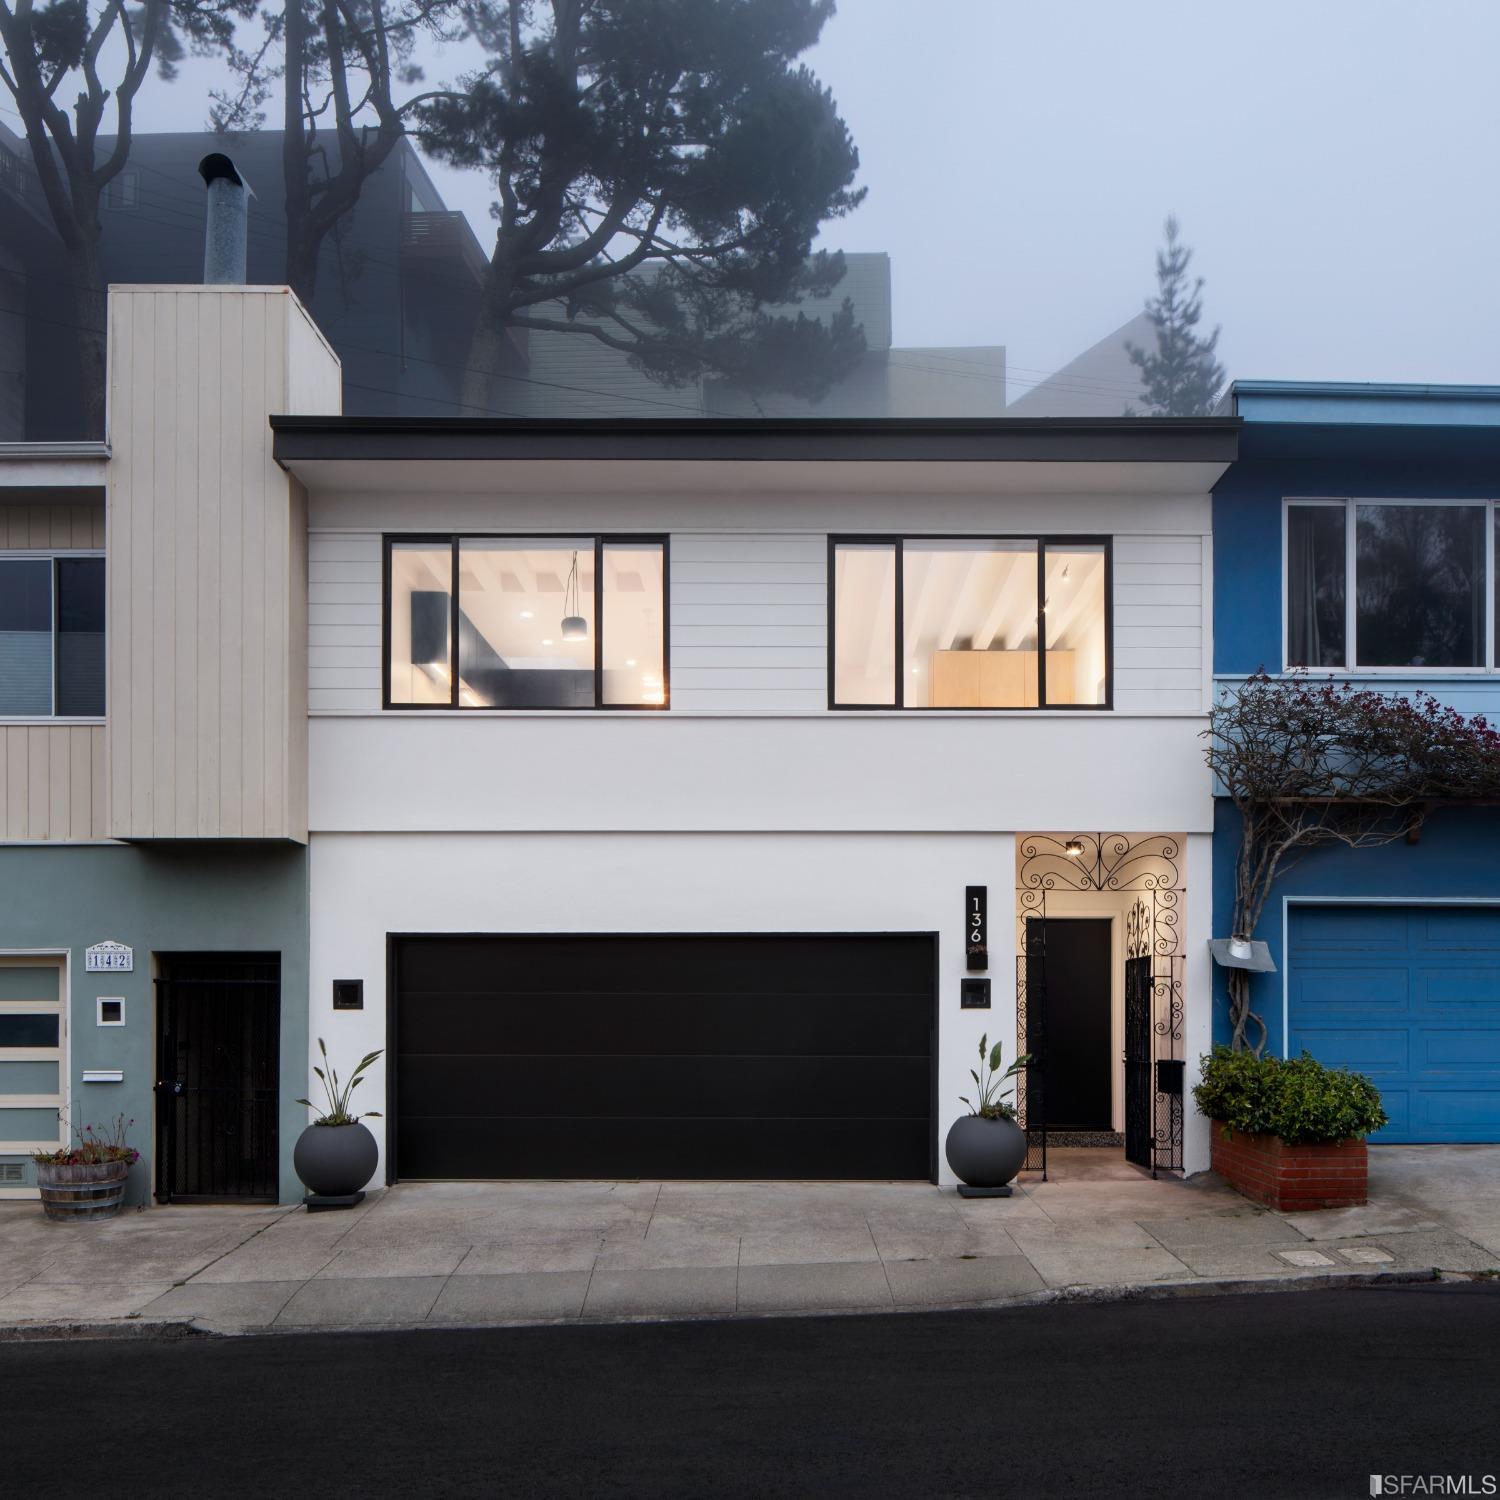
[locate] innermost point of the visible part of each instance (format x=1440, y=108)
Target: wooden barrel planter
x=82, y=1194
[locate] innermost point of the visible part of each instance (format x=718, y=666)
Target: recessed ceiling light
x=916, y=671
x=630, y=661
x=547, y=642
x=526, y=614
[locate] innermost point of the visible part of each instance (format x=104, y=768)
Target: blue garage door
x=1411, y=996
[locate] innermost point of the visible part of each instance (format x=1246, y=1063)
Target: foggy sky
x=1335, y=164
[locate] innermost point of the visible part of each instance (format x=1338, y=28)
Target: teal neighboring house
x=153, y=756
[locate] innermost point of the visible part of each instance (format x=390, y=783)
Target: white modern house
x=662, y=798
x=688, y=798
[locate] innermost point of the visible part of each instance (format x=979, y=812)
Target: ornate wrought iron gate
x=1154, y=1013
x=217, y=1094
x=1139, y=1146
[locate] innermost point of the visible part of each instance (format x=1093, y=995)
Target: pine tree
x=1181, y=377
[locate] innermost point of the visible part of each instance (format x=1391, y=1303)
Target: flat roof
x=1187, y=440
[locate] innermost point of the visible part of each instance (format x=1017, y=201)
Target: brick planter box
x=1292, y=1178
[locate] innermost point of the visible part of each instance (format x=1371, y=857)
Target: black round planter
x=985, y=1153
x=335, y=1161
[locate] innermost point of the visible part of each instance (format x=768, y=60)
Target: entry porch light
x=1240, y=952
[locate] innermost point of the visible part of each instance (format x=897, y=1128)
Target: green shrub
x=1296, y=1098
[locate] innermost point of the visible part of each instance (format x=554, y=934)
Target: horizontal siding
x=749, y=622
x=52, y=781
x=1159, y=621
x=343, y=629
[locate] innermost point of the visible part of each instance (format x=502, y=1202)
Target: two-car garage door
x=739, y=1056
x=1411, y=996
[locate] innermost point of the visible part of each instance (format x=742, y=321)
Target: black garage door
x=663, y=1056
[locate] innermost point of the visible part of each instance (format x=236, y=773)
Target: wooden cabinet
x=997, y=679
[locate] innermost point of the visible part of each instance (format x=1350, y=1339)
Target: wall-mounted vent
x=12, y=1171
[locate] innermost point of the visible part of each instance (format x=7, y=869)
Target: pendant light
x=574, y=626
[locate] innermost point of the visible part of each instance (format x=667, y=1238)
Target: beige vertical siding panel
x=60, y=781
x=141, y=817
x=275, y=511
x=207, y=614
x=98, y=758
x=82, y=525
x=209, y=508
x=60, y=522
x=231, y=552
x=39, y=765
x=253, y=590
x=118, y=589
x=164, y=642
x=5, y=830
x=81, y=781
x=15, y=782
x=40, y=529
x=97, y=515
x=185, y=601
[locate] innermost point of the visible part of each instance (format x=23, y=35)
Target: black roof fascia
x=749, y=439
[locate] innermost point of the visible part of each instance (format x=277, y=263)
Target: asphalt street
x=1278, y=1395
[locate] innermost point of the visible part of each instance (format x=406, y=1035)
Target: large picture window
x=1389, y=585
x=52, y=637
x=969, y=622
x=526, y=622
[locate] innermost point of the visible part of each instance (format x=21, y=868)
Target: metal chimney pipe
x=227, y=231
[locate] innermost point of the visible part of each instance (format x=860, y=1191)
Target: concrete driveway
x=482, y=1253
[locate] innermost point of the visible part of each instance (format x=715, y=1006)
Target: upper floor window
x=955, y=622
x=1389, y=584
x=52, y=636
x=526, y=622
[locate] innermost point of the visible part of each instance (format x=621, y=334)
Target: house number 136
x=974, y=918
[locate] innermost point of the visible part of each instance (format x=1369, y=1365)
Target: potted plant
x=336, y=1155
x=83, y=1183
x=1289, y=1132
x=986, y=1147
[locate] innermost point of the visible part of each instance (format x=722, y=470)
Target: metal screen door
x=217, y=1094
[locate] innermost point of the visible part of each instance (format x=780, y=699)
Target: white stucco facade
x=749, y=806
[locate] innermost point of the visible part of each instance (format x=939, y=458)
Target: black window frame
x=52, y=557
x=1043, y=542
x=452, y=540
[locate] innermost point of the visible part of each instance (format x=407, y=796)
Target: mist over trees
x=349, y=92
x=100, y=55
x=662, y=167
x=1180, y=377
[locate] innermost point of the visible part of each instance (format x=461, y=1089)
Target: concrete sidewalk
x=489, y=1253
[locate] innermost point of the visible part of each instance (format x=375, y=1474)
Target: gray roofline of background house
x=750, y=439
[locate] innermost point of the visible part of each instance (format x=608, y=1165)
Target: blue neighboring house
x=1356, y=538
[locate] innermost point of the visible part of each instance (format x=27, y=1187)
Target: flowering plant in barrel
x=86, y=1180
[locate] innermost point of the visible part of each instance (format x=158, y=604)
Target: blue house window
x=1390, y=585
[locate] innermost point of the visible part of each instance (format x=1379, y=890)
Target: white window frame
x=26, y=959
x=1349, y=504
x=53, y=555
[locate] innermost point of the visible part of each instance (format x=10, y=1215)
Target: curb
x=173, y=1330
x=159, y=1330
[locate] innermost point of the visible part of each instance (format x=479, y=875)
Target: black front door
x=643, y=1055
x=218, y=1029
x=1076, y=1038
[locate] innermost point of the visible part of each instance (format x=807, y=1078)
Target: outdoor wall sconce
x=1242, y=953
